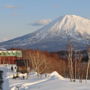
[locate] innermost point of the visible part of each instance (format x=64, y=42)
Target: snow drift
x=56, y=75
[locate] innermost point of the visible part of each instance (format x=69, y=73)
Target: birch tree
x=78, y=65
x=70, y=61
x=38, y=60
x=88, y=64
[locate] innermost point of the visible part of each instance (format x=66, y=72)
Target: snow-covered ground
x=53, y=81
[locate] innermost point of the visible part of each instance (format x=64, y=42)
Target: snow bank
x=53, y=81
x=5, y=83
x=55, y=75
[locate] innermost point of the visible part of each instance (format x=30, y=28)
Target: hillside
x=55, y=35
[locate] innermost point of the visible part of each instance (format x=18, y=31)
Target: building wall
x=10, y=56
x=9, y=59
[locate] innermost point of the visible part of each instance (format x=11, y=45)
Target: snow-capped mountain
x=56, y=35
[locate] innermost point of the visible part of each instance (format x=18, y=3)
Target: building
x=10, y=56
x=22, y=66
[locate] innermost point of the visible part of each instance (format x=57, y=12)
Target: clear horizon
x=19, y=17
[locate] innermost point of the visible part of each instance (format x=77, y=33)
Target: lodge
x=14, y=57
x=10, y=56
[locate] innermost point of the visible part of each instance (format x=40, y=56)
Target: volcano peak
x=53, y=36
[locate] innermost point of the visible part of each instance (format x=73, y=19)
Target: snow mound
x=14, y=88
x=56, y=75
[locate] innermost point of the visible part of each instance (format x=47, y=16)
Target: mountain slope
x=55, y=36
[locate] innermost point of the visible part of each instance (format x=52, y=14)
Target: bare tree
x=70, y=61
x=38, y=60
x=88, y=64
x=78, y=65
x=26, y=63
x=75, y=64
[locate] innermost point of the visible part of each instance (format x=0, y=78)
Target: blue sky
x=17, y=16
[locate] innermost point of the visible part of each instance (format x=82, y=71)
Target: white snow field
x=53, y=81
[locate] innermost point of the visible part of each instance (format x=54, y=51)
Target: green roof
x=16, y=53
